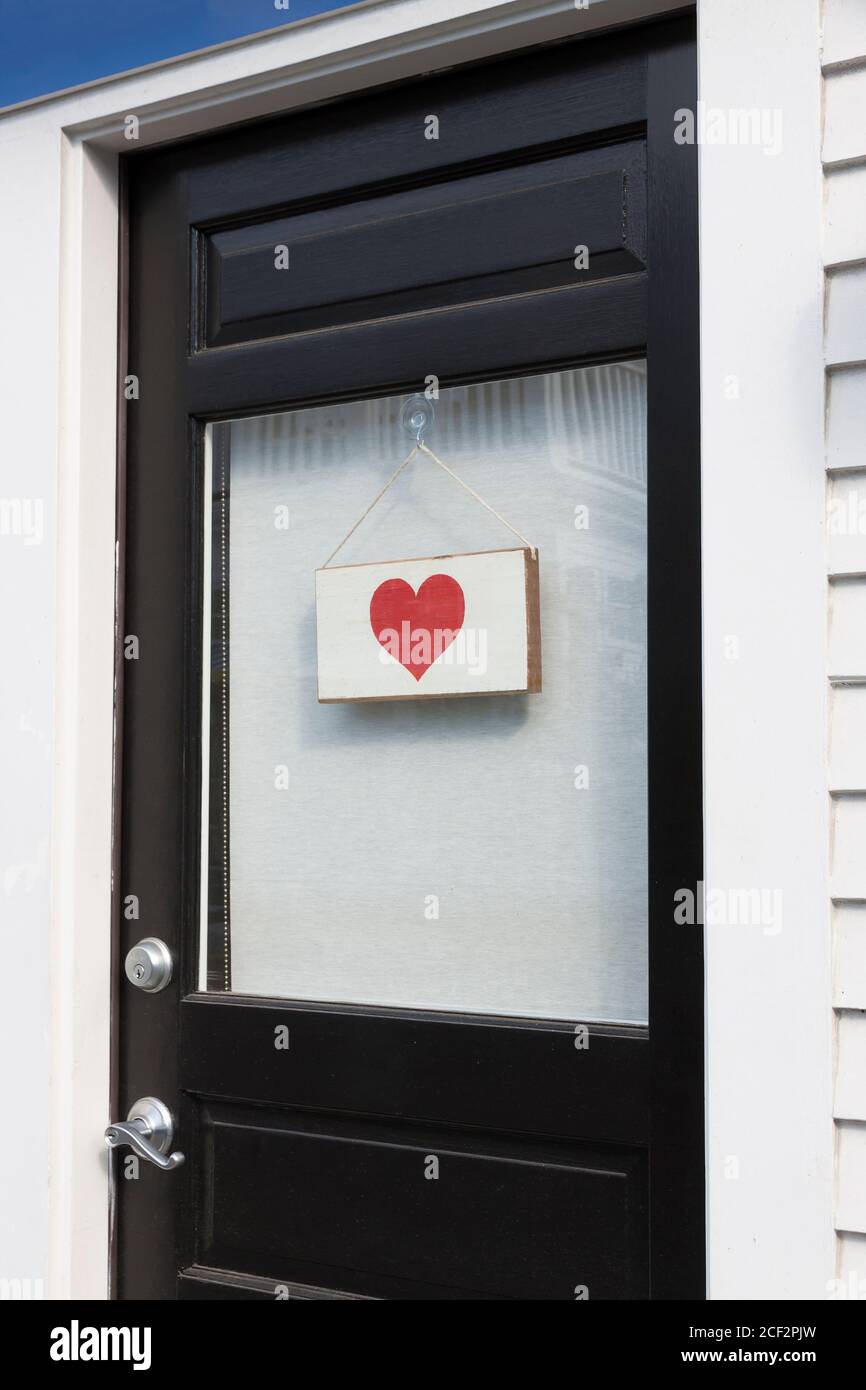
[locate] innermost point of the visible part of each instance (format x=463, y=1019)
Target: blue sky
x=49, y=44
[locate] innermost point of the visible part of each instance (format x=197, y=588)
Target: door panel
x=569, y=1148
x=341, y=1202
x=476, y=341
x=468, y=239
x=412, y=1064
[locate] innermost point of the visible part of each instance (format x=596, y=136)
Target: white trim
x=769, y=1038
x=82, y=829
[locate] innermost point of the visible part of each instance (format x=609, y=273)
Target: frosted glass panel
x=484, y=854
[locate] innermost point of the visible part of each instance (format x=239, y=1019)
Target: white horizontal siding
x=848, y=628
x=845, y=115
x=848, y=854
x=850, y=1096
x=845, y=214
x=844, y=254
x=846, y=314
x=844, y=31
x=849, y=955
x=851, y=1176
x=848, y=738
x=846, y=525
x=846, y=418
x=851, y=1265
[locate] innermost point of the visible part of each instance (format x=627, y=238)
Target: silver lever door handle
x=148, y=1130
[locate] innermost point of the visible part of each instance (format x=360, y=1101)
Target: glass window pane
x=485, y=854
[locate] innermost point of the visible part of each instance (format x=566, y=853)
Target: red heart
x=417, y=628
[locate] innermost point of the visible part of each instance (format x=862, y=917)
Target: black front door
x=432, y=1030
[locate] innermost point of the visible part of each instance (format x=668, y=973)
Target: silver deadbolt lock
x=148, y=965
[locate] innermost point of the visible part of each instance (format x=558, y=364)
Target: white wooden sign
x=423, y=629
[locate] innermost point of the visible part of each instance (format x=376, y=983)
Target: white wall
x=844, y=248
x=28, y=409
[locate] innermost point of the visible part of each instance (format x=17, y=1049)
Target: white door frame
x=769, y=1128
